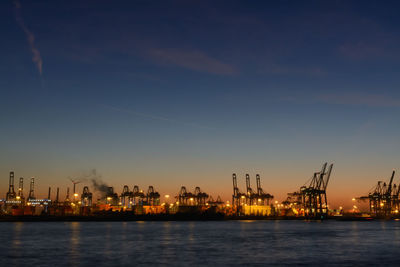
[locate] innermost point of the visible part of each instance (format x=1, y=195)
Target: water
x=199, y=243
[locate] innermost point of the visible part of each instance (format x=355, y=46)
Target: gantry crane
x=11, y=195
x=383, y=199
x=237, y=197
x=250, y=195
x=262, y=198
x=21, y=190
x=126, y=197
x=314, y=197
x=138, y=196
x=200, y=197
x=32, y=190
x=153, y=197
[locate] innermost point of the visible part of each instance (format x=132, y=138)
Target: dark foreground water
x=199, y=243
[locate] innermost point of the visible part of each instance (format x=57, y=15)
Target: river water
x=199, y=243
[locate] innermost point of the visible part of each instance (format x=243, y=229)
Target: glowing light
x=353, y=199
x=76, y=194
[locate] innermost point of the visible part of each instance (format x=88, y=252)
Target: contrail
x=37, y=59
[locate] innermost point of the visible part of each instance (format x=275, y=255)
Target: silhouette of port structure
x=383, y=199
x=309, y=201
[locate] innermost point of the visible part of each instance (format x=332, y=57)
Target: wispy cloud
x=37, y=59
x=290, y=70
x=193, y=60
x=362, y=50
x=359, y=99
x=154, y=117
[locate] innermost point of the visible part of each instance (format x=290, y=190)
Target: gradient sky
x=171, y=93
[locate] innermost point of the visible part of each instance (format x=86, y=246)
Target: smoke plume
x=36, y=58
x=95, y=179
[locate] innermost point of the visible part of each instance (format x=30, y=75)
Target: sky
x=172, y=93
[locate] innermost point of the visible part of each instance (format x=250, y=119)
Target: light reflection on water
x=74, y=243
x=199, y=243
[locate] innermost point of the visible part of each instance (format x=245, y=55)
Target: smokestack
x=48, y=196
x=58, y=192
x=67, y=196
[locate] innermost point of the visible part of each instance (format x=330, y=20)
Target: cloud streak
x=276, y=69
x=36, y=57
x=193, y=60
x=362, y=50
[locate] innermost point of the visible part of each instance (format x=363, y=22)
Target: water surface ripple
x=199, y=243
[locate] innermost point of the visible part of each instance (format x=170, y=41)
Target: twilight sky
x=171, y=93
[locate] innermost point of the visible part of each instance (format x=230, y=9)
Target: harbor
x=310, y=202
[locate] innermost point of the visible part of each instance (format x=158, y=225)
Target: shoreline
x=176, y=217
